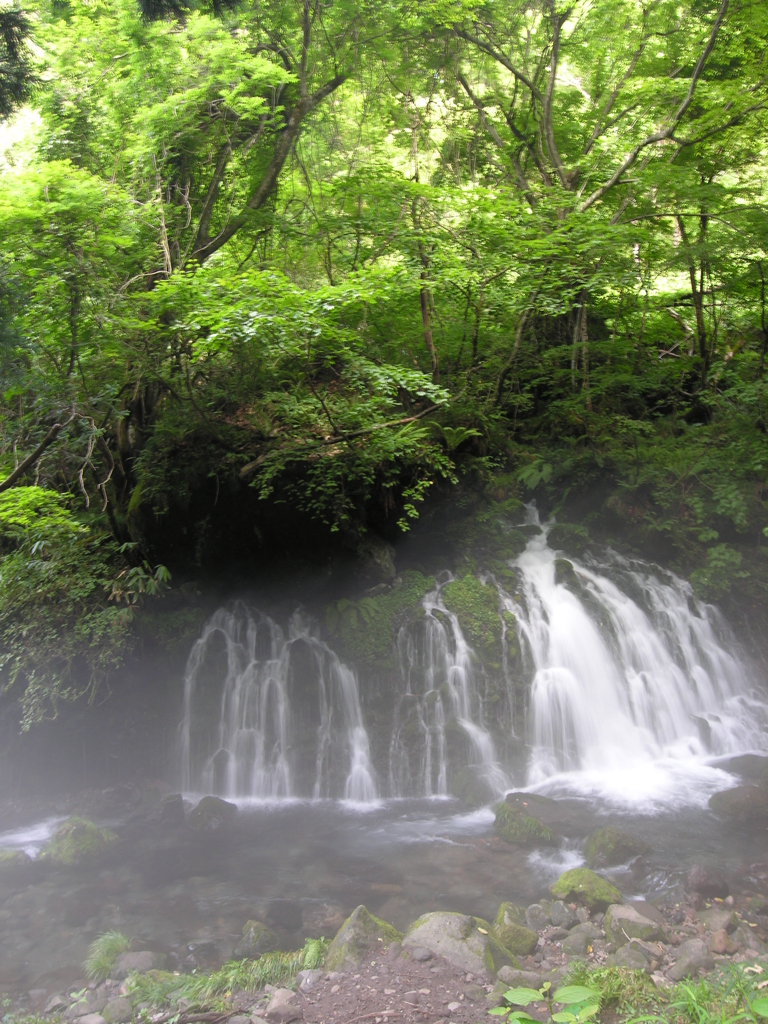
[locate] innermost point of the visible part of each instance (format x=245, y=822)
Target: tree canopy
x=280, y=262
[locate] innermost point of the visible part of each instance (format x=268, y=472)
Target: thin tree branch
x=30, y=460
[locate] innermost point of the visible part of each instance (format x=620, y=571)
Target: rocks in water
x=746, y=804
x=77, y=842
x=623, y=922
x=515, y=825
x=141, y=962
x=172, y=810
x=718, y=918
x=257, y=938
x=562, y=916
x=565, y=574
x=212, y=814
x=537, y=918
x=512, y=934
x=692, y=958
x=360, y=932
x=580, y=885
x=609, y=846
x=471, y=786
x=568, y=537
x=324, y=919
x=467, y=942
x=118, y=1011
x=706, y=881
x=284, y=1006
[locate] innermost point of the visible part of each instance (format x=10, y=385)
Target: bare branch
x=30, y=460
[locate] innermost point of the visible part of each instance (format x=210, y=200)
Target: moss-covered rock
x=77, y=842
x=565, y=574
x=14, y=865
x=745, y=804
x=511, y=930
x=257, y=938
x=366, y=630
x=516, y=826
x=568, y=537
x=476, y=606
x=211, y=814
x=580, y=885
x=359, y=933
x=608, y=846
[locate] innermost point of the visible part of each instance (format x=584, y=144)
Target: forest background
x=279, y=277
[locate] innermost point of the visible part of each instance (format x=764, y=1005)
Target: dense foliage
x=277, y=263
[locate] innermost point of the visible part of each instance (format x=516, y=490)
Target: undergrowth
x=102, y=954
x=278, y=968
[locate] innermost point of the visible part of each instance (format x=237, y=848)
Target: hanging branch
x=30, y=460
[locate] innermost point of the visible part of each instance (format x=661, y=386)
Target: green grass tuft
x=102, y=954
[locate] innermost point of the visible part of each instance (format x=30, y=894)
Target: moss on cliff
x=476, y=606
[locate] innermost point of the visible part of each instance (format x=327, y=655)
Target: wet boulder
x=568, y=537
x=747, y=805
x=77, y=842
x=257, y=938
x=565, y=574
x=512, y=932
x=580, y=885
x=623, y=922
x=609, y=846
x=359, y=933
x=137, y=963
x=706, y=881
x=469, y=943
x=515, y=825
x=212, y=814
x=471, y=787
x=15, y=865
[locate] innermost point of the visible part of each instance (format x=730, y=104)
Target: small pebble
x=335, y=989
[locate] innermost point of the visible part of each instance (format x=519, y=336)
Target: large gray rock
x=521, y=979
x=359, y=933
x=537, y=918
x=576, y=944
x=513, y=934
x=118, y=1011
x=140, y=963
x=92, y=1018
x=706, y=881
x=623, y=922
x=466, y=942
x=309, y=979
x=746, y=937
x=633, y=956
x=589, y=928
x=609, y=846
x=85, y=1006
x=692, y=958
x=284, y=1006
x=562, y=916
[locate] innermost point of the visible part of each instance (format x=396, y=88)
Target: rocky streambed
x=459, y=905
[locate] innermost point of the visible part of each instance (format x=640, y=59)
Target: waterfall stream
x=619, y=686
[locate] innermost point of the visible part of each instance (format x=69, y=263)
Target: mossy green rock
x=747, y=804
x=568, y=537
x=14, y=865
x=212, y=814
x=77, y=842
x=580, y=885
x=608, y=846
x=257, y=938
x=510, y=928
x=515, y=826
x=476, y=606
x=565, y=574
x=359, y=933
x=469, y=943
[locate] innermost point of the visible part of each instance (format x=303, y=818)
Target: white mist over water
x=631, y=696
x=254, y=749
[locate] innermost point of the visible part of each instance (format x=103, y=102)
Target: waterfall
x=616, y=684
x=288, y=709
x=635, y=687
x=440, y=672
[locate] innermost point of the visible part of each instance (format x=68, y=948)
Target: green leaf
x=575, y=994
x=760, y=1007
x=522, y=996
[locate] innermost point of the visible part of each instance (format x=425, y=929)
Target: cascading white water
x=632, y=697
x=437, y=669
x=254, y=750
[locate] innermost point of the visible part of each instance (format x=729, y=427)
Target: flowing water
x=618, y=693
